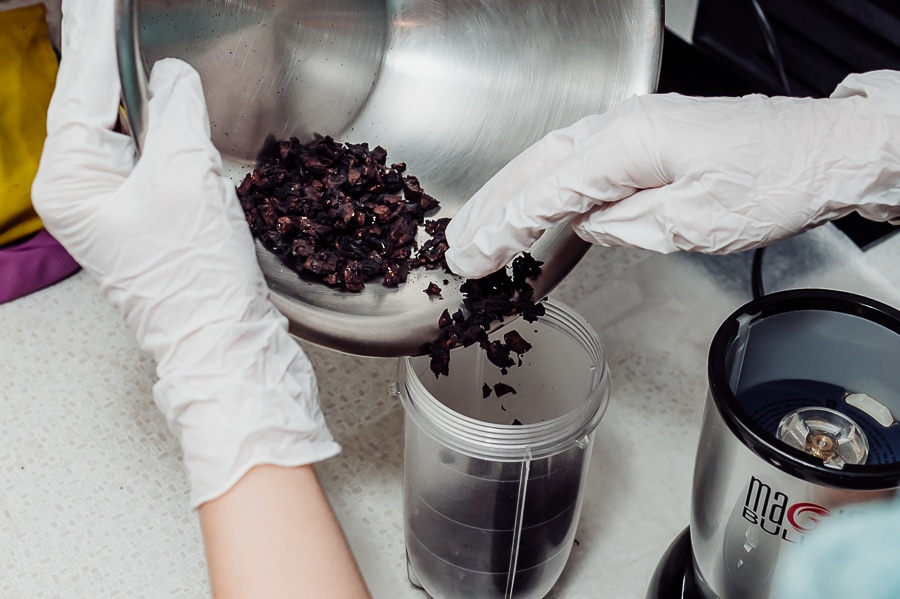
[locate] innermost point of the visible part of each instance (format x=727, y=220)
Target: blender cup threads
x=493, y=487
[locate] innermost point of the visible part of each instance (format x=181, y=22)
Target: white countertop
x=93, y=502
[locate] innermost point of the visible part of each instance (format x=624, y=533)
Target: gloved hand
x=166, y=239
x=715, y=175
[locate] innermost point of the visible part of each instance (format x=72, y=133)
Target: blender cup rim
x=783, y=457
x=505, y=442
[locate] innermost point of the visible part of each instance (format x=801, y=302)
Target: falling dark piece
x=487, y=301
x=485, y=391
x=498, y=353
x=433, y=289
x=445, y=320
x=516, y=422
x=502, y=389
x=339, y=214
x=516, y=343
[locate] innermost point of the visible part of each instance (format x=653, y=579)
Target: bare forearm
x=274, y=535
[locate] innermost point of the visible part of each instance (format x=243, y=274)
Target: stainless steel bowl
x=454, y=88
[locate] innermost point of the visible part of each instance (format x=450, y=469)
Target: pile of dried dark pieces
x=338, y=213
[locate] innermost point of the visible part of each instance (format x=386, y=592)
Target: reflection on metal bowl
x=454, y=88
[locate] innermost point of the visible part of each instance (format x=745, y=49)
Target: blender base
x=674, y=575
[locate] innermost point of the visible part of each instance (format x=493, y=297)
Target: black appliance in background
x=738, y=45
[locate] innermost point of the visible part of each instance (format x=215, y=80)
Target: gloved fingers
x=540, y=158
x=602, y=158
x=179, y=121
x=82, y=159
x=87, y=85
x=181, y=161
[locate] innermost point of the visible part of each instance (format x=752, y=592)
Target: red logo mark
x=805, y=516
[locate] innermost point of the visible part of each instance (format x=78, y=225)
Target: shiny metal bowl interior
x=454, y=88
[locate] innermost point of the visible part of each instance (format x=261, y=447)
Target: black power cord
x=756, y=280
x=771, y=45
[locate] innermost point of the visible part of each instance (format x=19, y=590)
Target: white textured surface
x=93, y=502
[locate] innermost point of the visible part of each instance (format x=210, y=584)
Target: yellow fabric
x=27, y=76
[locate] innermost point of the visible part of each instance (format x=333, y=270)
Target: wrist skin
x=274, y=535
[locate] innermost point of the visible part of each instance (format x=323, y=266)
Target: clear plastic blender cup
x=493, y=485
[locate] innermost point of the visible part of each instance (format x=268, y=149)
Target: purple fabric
x=32, y=264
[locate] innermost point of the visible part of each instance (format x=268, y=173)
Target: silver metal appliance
x=800, y=424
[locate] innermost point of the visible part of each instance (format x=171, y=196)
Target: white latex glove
x=167, y=241
x=715, y=175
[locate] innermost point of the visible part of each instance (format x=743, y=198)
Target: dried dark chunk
x=516, y=343
x=382, y=213
x=372, y=265
x=433, y=289
x=485, y=391
x=395, y=273
x=498, y=354
x=378, y=155
x=432, y=252
x=413, y=192
x=502, y=389
x=531, y=311
x=321, y=263
x=525, y=267
x=303, y=247
x=353, y=276
x=437, y=227
x=402, y=232
x=335, y=279
x=427, y=203
x=472, y=333
x=440, y=359
x=516, y=422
